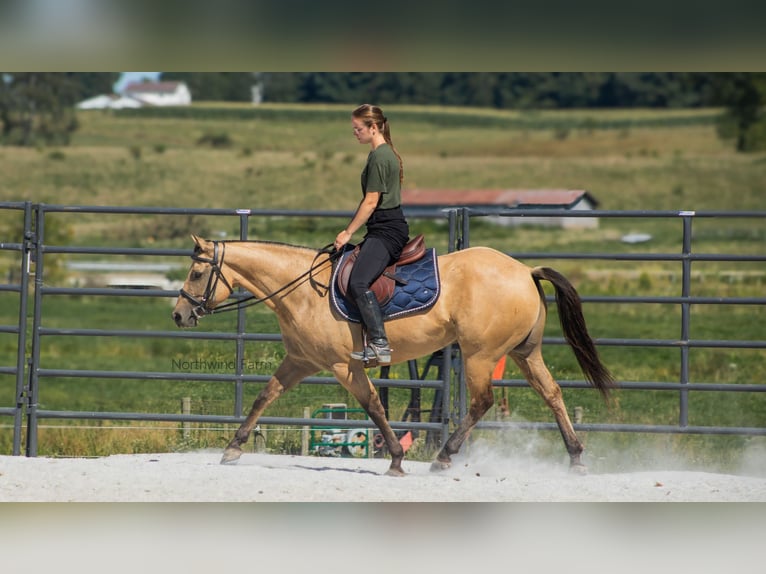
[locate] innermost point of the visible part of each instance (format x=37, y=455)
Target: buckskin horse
x=490, y=304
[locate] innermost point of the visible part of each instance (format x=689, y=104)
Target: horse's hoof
x=578, y=470
x=395, y=472
x=231, y=455
x=439, y=465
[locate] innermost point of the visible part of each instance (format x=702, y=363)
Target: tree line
x=40, y=106
x=501, y=90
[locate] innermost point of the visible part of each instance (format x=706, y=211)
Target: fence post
x=241, y=327
x=686, y=265
x=33, y=391
x=185, y=410
x=305, y=433
x=27, y=244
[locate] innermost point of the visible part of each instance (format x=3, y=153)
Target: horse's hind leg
x=478, y=376
x=288, y=374
x=540, y=379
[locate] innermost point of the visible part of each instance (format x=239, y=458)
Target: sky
x=128, y=77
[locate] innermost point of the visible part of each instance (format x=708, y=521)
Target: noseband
x=200, y=306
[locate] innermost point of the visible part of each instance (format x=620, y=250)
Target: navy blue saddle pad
x=418, y=295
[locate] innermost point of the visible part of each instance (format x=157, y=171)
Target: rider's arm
x=363, y=212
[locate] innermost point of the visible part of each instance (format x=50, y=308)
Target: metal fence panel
x=29, y=370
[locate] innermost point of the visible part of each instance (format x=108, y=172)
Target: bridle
x=200, y=305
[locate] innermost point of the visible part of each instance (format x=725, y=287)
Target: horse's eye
x=195, y=275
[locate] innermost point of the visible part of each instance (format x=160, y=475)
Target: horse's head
x=202, y=291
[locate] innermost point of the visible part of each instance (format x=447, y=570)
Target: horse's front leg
x=354, y=378
x=289, y=373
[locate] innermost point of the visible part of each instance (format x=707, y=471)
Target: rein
x=216, y=274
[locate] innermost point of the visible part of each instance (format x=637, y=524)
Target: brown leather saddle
x=383, y=287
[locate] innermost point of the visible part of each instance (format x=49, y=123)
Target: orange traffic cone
x=406, y=441
x=499, y=369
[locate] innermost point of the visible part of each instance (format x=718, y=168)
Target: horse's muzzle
x=189, y=320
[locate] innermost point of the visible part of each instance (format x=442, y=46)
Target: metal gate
x=30, y=251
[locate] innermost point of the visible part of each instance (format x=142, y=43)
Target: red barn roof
x=496, y=197
x=152, y=87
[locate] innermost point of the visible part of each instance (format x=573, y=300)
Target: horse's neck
x=263, y=268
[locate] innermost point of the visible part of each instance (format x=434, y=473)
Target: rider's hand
x=342, y=238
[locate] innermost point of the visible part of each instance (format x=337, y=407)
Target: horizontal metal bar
x=235, y=212
x=125, y=291
x=663, y=429
x=655, y=429
x=109, y=291
x=13, y=204
x=472, y=211
x=341, y=423
x=142, y=251
x=220, y=377
x=638, y=256
x=392, y=383
x=179, y=334
x=670, y=300
x=672, y=343
x=221, y=419
x=646, y=386
x=53, y=208
x=558, y=212
x=170, y=293
x=151, y=375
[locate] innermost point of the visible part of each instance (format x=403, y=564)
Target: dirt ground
x=280, y=513
x=198, y=477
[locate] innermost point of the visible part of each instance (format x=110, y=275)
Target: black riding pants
x=372, y=260
x=387, y=234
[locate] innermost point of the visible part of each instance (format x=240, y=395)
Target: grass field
x=304, y=157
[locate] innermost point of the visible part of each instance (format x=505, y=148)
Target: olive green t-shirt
x=381, y=174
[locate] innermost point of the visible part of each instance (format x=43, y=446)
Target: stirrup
x=372, y=355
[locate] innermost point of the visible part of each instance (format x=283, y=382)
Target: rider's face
x=362, y=133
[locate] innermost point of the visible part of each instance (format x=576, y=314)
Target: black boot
x=376, y=351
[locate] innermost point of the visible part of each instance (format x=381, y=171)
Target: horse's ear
x=196, y=240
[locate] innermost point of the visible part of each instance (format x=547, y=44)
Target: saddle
x=383, y=287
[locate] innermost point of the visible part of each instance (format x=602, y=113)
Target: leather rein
x=200, y=305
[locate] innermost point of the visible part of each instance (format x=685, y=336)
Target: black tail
x=575, y=330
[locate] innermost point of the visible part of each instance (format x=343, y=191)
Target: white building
x=112, y=102
x=159, y=93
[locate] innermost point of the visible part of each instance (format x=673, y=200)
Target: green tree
x=90, y=84
x=216, y=86
x=744, y=95
x=37, y=107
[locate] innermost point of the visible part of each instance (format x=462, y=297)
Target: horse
x=490, y=304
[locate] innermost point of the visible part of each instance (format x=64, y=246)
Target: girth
x=383, y=287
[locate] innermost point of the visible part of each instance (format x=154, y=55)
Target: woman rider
x=387, y=229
